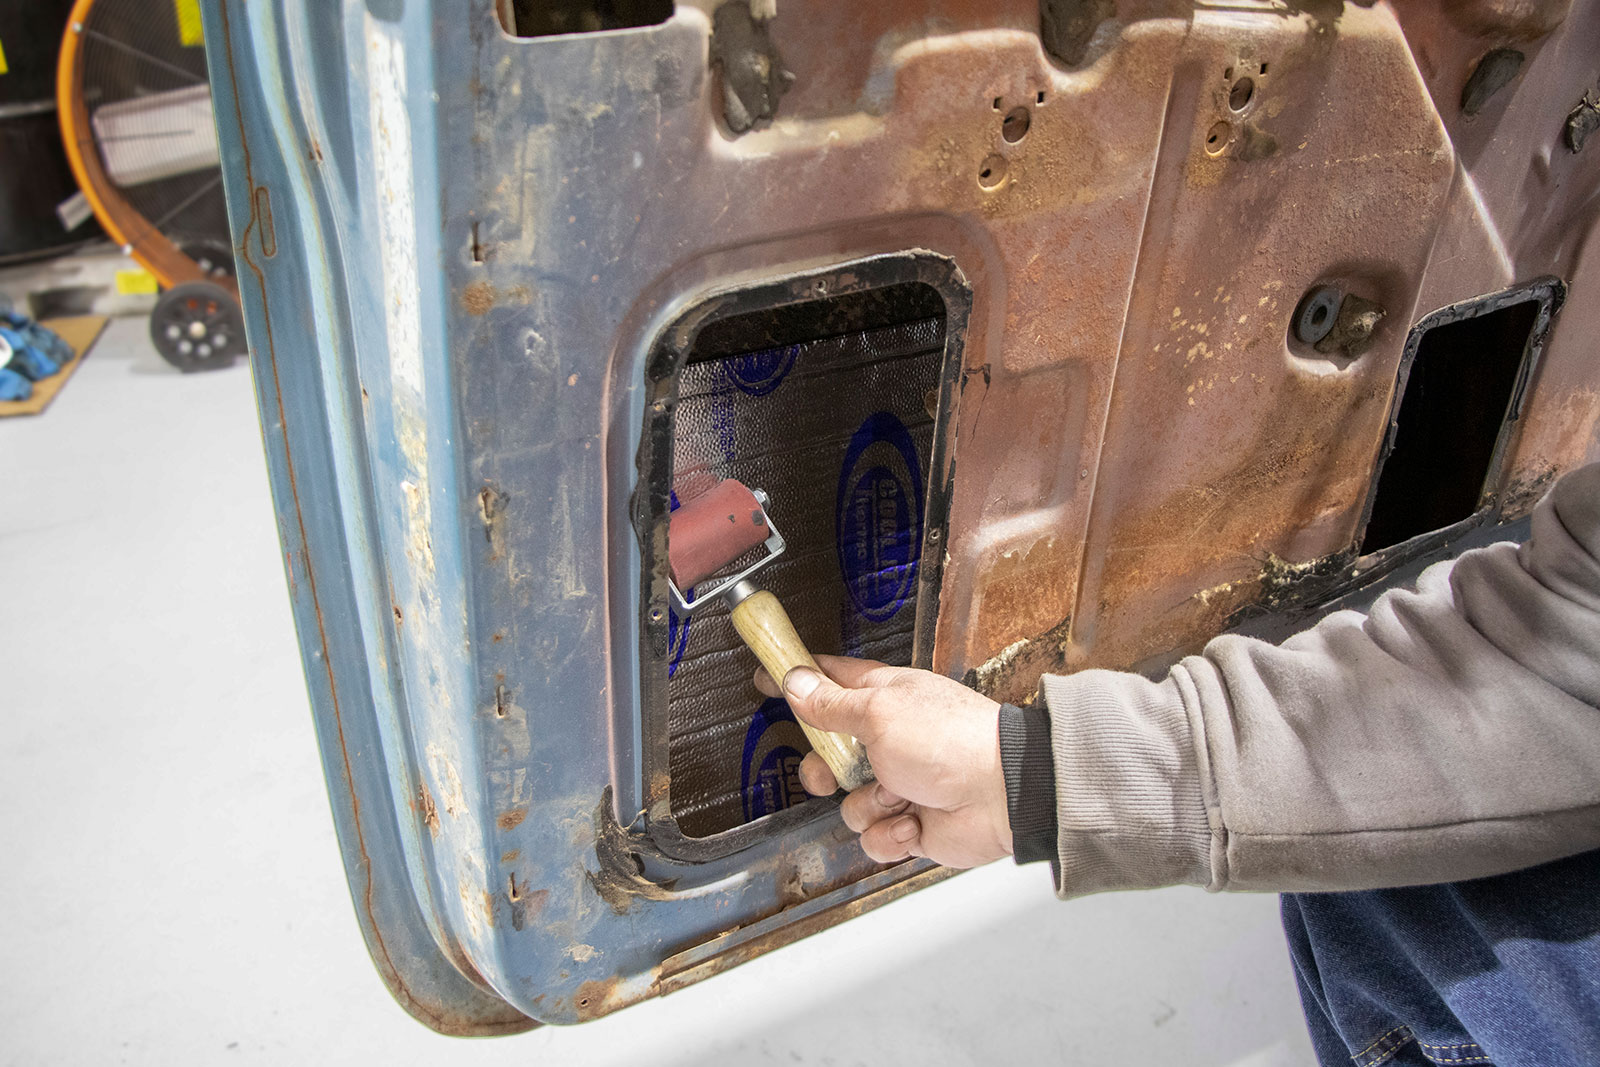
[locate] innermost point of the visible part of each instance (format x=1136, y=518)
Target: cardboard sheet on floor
x=79, y=331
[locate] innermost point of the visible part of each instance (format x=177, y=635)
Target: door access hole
x=822, y=405
x=555, y=18
x=1014, y=127
x=1457, y=399
x=1240, y=94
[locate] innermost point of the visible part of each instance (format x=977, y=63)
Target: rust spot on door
x=428, y=809
x=478, y=297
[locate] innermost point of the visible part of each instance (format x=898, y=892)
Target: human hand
x=934, y=745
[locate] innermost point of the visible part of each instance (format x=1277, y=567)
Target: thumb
x=825, y=704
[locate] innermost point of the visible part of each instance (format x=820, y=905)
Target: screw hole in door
x=992, y=172
x=1217, y=138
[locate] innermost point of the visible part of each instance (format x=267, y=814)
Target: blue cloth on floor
x=14, y=386
x=27, y=359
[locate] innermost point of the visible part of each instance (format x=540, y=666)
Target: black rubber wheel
x=213, y=257
x=197, y=326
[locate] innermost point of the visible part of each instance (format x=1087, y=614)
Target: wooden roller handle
x=766, y=628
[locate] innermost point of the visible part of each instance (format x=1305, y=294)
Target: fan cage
x=145, y=57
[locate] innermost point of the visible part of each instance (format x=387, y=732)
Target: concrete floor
x=170, y=891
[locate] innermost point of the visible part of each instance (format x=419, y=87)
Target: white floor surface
x=170, y=891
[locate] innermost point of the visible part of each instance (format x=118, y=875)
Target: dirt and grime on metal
x=1013, y=675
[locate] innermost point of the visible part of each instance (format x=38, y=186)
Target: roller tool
x=712, y=532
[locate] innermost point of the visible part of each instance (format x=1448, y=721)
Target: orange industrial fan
x=136, y=117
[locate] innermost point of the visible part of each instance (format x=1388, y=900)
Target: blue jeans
x=1502, y=971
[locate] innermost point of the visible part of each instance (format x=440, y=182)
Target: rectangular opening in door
x=831, y=406
x=1467, y=368
x=551, y=18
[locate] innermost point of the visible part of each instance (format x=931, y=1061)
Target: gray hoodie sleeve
x=1451, y=732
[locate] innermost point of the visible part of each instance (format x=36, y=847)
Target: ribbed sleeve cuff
x=1130, y=813
x=1030, y=772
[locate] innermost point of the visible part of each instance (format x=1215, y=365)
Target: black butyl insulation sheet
x=838, y=432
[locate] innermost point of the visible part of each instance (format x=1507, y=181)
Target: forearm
x=1451, y=733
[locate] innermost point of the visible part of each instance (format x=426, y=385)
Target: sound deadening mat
x=837, y=430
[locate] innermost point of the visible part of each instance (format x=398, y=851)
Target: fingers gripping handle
x=766, y=628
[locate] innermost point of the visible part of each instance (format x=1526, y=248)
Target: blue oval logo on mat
x=878, y=517
x=759, y=373
x=774, y=745
x=677, y=628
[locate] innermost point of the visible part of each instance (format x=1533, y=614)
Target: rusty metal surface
x=477, y=241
